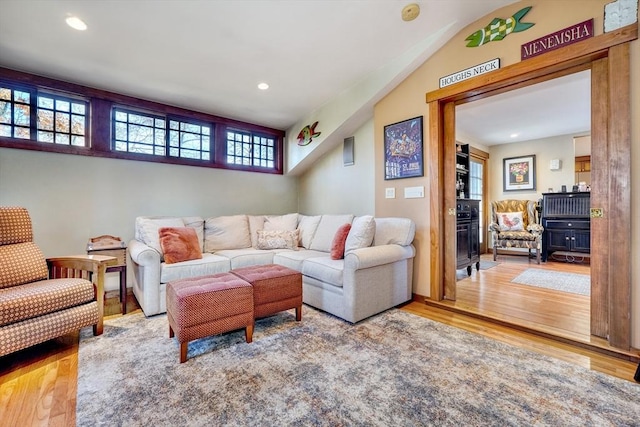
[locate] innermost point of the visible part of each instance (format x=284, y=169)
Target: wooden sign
x=476, y=70
x=556, y=40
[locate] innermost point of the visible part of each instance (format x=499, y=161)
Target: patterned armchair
x=515, y=225
x=44, y=299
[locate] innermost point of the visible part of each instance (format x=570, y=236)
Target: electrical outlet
x=390, y=193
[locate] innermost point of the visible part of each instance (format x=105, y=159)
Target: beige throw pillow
x=226, y=232
x=277, y=239
x=361, y=235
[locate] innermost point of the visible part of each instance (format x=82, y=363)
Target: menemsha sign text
x=559, y=39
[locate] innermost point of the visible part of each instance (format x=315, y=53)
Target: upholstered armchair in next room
x=44, y=299
x=515, y=225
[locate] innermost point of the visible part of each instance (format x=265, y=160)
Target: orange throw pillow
x=179, y=244
x=337, y=246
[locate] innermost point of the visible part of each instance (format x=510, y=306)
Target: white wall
x=331, y=187
x=558, y=147
x=72, y=198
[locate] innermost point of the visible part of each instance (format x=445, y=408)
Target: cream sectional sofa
x=375, y=274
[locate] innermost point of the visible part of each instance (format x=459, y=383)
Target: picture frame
x=403, y=149
x=519, y=173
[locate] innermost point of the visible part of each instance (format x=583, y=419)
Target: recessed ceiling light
x=514, y=135
x=263, y=86
x=76, y=23
x=410, y=12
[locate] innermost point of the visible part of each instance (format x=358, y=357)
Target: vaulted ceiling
x=210, y=55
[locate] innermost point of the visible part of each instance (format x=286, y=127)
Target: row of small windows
x=57, y=119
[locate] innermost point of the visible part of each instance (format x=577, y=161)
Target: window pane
x=121, y=132
x=140, y=120
x=62, y=138
x=45, y=102
x=45, y=136
x=5, y=130
x=45, y=119
x=5, y=93
x=78, y=141
x=22, y=133
x=62, y=122
x=77, y=124
x=21, y=115
x=140, y=134
x=62, y=105
x=20, y=96
x=5, y=112
x=120, y=116
x=78, y=108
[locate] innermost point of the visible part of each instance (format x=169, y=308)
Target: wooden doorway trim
x=608, y=56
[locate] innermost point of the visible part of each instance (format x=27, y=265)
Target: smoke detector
x=410, y=12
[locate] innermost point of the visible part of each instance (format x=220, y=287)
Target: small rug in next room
x=557, y=280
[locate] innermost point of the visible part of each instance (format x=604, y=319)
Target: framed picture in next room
x=519, y=173
x=403, y=149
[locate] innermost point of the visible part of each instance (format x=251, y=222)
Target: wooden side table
x=120, y=252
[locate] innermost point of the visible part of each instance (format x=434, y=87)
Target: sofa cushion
x=363, y=228
x=247, y=257
x=256, y=222
x=398, y=231
x=337, y=245
x=287, y=222
x=208, y=264
x=294, y=259
x=326, y=230
x=226, y=232
x=179, y=244
x=324, y=269
x=147, y=229
x=307, y=226
x=277, y=239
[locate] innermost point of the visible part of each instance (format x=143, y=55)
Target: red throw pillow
x=179, y=244
x=337, y=246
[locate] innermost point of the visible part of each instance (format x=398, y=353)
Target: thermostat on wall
x=555, y=164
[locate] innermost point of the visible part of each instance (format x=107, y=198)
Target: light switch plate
x=390, y=193
x=414, y=192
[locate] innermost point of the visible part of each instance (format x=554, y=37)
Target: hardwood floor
x=38, y=385
x=490, y=295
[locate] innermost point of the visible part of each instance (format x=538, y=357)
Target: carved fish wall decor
x=499, y=28
x=307, y=134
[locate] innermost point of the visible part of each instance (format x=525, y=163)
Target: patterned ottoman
x=208, y=305
x=275, y=288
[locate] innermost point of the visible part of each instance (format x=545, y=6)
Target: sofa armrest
x=377, y=255
x=142, y=254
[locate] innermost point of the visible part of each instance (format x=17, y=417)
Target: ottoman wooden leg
x=248, y=333
x=299, y=313
x=171, y=334
x=183, y=351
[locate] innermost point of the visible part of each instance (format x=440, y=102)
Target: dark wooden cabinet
x=467, y=234
x=566, y=222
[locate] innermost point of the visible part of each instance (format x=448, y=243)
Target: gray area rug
x=394, y=369
x=485, y=265
x=557, y=280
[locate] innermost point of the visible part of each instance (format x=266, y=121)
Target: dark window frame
x=102, y=102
